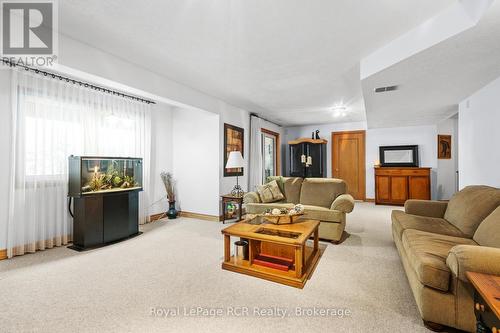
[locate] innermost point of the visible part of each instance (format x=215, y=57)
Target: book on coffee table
x=276, y=262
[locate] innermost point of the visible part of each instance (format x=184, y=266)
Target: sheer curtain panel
x=255, y=162
x=51, y=120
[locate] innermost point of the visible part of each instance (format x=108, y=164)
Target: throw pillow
x=270, y=192
x=279, y=180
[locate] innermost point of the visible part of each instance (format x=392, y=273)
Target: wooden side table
x=486, y=301
x=231, y=198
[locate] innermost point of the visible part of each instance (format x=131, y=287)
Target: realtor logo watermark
x=29, y=32
x=245, y=311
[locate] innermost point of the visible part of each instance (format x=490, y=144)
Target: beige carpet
x=176, y=265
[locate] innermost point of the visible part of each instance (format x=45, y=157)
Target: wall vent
x=385, y=89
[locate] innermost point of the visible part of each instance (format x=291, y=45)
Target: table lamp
x=235, y=160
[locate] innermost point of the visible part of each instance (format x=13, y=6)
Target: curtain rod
x=73, y=81
x=257, y=116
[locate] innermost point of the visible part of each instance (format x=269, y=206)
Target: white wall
x=447, y=169
x=196, y=160
x=423, y=136
x=161, y=155
x=479, y=137
x=241, y=118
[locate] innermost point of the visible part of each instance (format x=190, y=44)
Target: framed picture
x=399, y=156
x=444, y=147
x=233, y=140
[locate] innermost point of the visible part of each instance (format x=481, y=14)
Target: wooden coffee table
x=266, y=239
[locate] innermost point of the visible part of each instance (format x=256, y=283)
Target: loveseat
x=438, y=242
x=324, y=199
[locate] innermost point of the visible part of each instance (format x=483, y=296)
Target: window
x=270, y=154
x=44, y=127
x=54, y=129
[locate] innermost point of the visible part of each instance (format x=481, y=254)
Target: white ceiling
x=288, y=60
x=434, y=81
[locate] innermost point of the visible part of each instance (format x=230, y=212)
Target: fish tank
x=99, y=175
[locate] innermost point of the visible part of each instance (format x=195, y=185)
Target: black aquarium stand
x=105, y=191
x=101, y=219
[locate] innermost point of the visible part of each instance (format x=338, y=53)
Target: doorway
x=270, y=154
x=348, y=161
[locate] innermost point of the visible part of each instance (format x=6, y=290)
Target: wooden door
x=271, y=149
x=348, y=161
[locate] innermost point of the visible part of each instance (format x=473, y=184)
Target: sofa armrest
x=426, y=208
x=473, y=258
x=343, y=203
x=251, y=197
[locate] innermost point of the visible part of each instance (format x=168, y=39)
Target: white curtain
x=255, y=162
x=51, y=120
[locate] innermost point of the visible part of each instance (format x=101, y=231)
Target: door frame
x=363, y=159
x=277, y=148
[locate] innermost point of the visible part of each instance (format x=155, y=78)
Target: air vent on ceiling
x=385, y=89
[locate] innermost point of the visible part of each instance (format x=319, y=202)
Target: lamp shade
x=235, y=160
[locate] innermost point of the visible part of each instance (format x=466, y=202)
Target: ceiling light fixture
x=339, y=111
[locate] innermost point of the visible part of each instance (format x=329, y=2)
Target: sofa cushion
x=321, y=191
x=469, y=207
x=280, y=180
x=488, y=232
x=402, y=221
x=251, y=197
x=427, y=252
x=260, y=208
x=322, y=214
x=270, y=192
x=292, y=187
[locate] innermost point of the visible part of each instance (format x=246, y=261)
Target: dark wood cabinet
x=312, y=149
x=296, y=165
x=105, y=194
x=395, y=185
x=100, y=219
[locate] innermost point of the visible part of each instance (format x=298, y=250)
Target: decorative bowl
x=281, y=218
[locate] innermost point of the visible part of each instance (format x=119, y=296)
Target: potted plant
x=168, y=181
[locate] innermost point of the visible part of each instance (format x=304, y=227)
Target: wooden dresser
x=395, y=185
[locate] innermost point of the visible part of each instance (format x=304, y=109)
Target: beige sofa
x=439, y=241
x=324, y=199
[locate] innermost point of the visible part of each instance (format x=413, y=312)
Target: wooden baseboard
x=3, y=254
x=213, y=218
x=156, y=217
x=369, y=200
x=159, y=216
